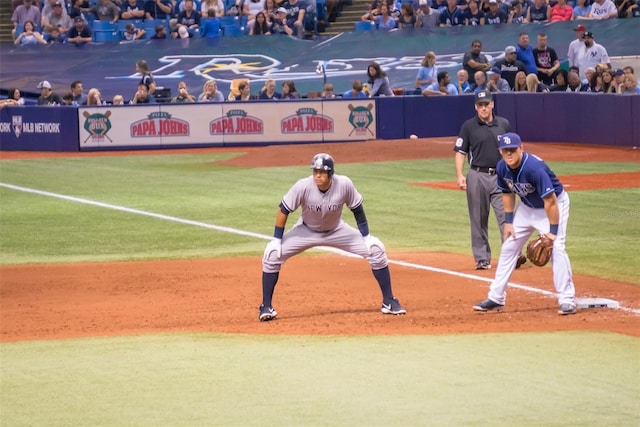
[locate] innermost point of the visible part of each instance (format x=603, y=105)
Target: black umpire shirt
x=479, y=141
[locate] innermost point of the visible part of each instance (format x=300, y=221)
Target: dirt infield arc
x=317, y=293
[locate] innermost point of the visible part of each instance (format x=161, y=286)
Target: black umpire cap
x=483, y=96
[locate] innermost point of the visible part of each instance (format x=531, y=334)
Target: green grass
x=550, y=379
x=39, y=229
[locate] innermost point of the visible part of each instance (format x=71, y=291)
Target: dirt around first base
x=317, y=293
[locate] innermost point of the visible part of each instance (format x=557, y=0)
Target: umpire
x=478, y=141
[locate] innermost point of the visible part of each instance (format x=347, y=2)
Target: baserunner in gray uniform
x=322, y=197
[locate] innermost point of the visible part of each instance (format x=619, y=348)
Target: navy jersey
x=532, y=181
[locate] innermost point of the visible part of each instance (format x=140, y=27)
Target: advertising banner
x=39, y=129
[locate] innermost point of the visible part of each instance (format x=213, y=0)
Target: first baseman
x=322, y=197
x=544, y=206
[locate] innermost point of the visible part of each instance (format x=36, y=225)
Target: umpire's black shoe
x=488, y=305
x=521, y=260
x=483, y=265
x=267, y=313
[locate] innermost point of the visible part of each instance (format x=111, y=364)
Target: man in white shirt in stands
x=591, y=54
x=603, y=9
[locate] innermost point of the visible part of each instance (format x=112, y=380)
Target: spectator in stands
x=407, y=19
x=216, y=5
x=94, y=97
x=78, y=8
x=57, y=24
x=608, y=85
x=588, y=73
x=289, y=90
x=355, y=92
x=595, y=82
x=252, y=8
x=158, y=9
x=146, y=76
x=67, y=99
x=509, y=66
x=279, y=23
x=575, y=45
x=15, y=95
x=520, y=84
x=626, y=8
x=463, y=85
x=426, y=16
x=582, y=9
x=574, y=83
x=197, y=4
x=80, y=33
x=245, y=92
x=603, y=9
x=188, y=21
x=327, y=91
x=473, y=15
x=16, y=3
x=131, y=32
x=384, y=21
x=479, y=82
x=474, y=60
x=183, y=95
x=442, y=87
x=547, y=61
x=47, y=97
x=270, y=8
x=495, y=82
x=378, y=80
x=105, y=10
x=540, y=11
x=160, y=32
x=629, y=85
x=77, y=92
x=495, y=15
x=118, y=100
x=210, y=92
x=132, y=9
x=48, y=8
x=142, y=95
x=561, y=81
x=524, y=54
x=269, y=90
x=23, y=13
x=452, y=15
x=428, y=72
x=296, y=10
x=517, y=13
x=534, y=85
x=28, y=36
x=591, y=54
x=561, y=12
x=260, y=26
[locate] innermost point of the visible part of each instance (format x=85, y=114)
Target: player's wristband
x=508, y=217
x=278, y=232
x=364, y=228
x=553, y=229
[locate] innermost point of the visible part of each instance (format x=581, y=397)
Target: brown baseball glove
x=539, y=250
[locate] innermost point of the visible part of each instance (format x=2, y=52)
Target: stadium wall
x=552, y=117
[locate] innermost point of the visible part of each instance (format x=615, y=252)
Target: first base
x=596, y=303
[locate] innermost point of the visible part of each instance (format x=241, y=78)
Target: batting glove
x=274, y=246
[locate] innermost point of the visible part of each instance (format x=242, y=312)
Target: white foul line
x=266, y=237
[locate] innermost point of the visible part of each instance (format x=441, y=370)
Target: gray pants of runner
x=482, y=194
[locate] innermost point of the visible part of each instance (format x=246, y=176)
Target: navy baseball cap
x=509, y=140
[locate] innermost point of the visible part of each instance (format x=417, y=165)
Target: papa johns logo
x=307, y=120
x=236, y=122
x=159, y=123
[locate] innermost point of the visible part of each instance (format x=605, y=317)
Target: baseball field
x=130, y=286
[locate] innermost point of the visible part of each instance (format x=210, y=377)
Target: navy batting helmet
x=323, y=161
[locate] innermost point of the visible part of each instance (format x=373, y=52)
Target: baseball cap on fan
x=509, y=140
x=44, y=85
x=281, y=9
x=580, y=28
x=183, y=33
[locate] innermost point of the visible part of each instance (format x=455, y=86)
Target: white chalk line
x=266, y=237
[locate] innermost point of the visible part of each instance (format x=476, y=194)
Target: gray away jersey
x=322, y=212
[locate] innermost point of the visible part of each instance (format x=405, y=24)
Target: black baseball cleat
x=483, y=265
x=521, y=260
x=393, y=307
x=488, y=305
x=267, y=313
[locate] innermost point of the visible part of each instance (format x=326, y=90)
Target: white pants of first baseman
x=526, y=221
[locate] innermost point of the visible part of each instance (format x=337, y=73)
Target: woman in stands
x=385, y=21
x=29, y=35
x=378, y=81
x=561, y=11
x=582, y=9
x=260, y=25
x=561, y=81
x=407, y=17
x=629, y=85
x=595, y=82
x=608, y=86
x=428, y=73
x=245, y=92
x=534, y=85
x=289, y=90
x=147, y=78
x=521, y=82
x=16, y=96
x=216, y=5
x=94, y=97
x=270, y=10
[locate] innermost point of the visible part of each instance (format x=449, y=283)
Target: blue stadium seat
x=99, y=25
x=229, y=20
x=364, y=26
x=231, y=31
x=105, y=36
